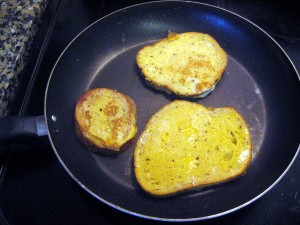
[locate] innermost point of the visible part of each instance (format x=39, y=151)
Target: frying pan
x=260, y=81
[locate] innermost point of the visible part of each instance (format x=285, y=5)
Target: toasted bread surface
x=187, y=145
x=187, y=64
x=105, y=120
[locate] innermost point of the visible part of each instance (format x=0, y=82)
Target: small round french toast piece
x=105, y=120
x=188, y=64
x=186, y=145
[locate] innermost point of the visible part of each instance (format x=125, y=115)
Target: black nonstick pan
x=260, y=81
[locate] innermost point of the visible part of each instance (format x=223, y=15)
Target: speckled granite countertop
x=19, y=23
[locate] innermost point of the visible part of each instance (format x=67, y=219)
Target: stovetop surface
x=35, y=189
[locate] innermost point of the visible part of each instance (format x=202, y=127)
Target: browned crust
x=168, y=88
x=180, y=190
x=190, y=188
x=90, y=143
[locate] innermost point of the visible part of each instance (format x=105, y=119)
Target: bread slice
x=105, y=120
x=188, y=64
x=186, y=145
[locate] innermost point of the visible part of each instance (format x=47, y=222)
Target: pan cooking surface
x=258, y=82
x=237, y=89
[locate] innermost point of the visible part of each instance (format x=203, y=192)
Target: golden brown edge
x=167, y=88
x=90, y=144
x=180, y=190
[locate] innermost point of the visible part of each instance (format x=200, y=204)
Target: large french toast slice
x=105, y=120
x=186, y=145
x=188, y=64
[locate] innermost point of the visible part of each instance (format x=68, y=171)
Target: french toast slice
x=105, y=120
x=186, y=145
x=188, y=64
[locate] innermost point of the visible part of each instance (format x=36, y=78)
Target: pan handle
x=16, y=128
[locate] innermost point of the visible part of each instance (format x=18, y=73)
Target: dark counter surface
x=19, y=23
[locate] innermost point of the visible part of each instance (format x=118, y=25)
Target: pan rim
x=124, y=209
